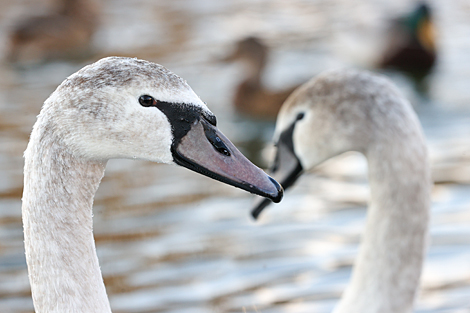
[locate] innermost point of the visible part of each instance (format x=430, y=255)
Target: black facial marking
x=210, y=118
x=287, y=139
x=285, y=142
x=181, y=117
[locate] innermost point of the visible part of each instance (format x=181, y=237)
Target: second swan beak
x=286, y=169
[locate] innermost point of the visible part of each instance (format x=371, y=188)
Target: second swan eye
x=147, y=101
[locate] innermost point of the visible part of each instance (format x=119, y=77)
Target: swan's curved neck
x=387, y=271
x=57, y=216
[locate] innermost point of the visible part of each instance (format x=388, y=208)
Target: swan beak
x=204, y=149
x=286, y=169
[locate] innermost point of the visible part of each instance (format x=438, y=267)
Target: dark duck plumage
x=411, y=47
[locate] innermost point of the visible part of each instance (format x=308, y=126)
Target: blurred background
x=170, y=240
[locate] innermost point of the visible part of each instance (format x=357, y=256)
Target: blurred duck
x=252, y=98
x=411, y=47
x=65, y=33
x=350, y=110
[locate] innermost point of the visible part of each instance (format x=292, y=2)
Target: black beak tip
x=280, y=191
x=276, y=198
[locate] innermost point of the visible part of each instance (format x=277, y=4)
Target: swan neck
x=57, y=216
x=386, y=273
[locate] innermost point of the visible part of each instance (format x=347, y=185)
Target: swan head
x=130, y=108
x=338, y=111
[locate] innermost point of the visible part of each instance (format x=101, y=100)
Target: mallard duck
x=65, y=33
x=411, y=47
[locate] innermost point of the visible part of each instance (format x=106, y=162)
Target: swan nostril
x=215, y=140
x=219, y=145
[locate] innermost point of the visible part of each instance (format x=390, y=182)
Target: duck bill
x=204, y=149
x=286, y=169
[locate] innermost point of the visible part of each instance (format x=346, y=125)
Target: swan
x=115, y=108
x=346, y=110
x=252, y=98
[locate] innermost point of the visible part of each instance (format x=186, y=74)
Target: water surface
x=170, y=240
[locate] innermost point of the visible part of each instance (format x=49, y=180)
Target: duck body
x=65, y=33
x=350, y=110
x=252, y=98
x=114, y=108
x=411, y=47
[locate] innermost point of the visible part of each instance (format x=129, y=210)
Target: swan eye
x=147, y=101
x=300, y=116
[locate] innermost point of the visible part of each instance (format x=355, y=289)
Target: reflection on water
x=170, y=240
